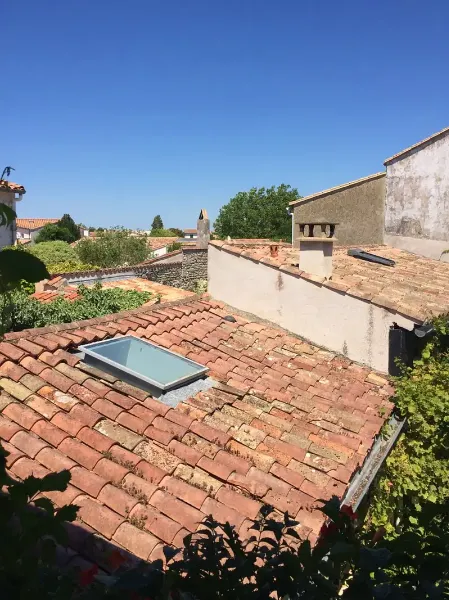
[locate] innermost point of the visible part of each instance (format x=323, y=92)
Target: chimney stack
x=203, y=230
x=316, y=243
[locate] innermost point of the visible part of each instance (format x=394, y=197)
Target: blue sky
x=115, y=111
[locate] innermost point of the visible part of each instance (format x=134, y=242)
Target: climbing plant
x=417, y=469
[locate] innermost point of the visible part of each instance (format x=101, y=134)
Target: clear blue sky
x=115, y=111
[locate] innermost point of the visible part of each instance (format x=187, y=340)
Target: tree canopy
x=113, y=248
x=68, y=223
x=53, y=232
x=157, y=223
x=162, y=233
x=258, y=213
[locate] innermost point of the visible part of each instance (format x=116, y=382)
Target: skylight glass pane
x=144, y=360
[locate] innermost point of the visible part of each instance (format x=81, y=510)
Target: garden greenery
x=113, y=248
x=417, y=470
x=24, y=312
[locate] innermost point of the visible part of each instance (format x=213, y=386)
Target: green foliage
x=200, y=286
x=71, y=266
x=51, y=253
x=259, y=213
x=174, y=246
x=94, y=301
x=52, y=232
x=216, y=562
x=162, y=233
x=113, y=248
x=157, y=223
x=417, y=471
x=178, y=232
x=68, y=223
x=30, y=529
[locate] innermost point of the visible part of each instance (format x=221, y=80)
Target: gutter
x=361, y=482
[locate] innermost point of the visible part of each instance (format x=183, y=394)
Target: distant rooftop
x=31, y=223
x=10, y=186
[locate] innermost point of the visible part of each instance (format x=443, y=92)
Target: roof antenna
x=7, y=172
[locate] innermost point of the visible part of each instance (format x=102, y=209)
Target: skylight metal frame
x=117, y=368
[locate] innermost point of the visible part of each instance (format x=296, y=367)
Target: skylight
x=143, y=364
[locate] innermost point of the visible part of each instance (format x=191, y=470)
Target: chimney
x=316, y=243
x=203, y=230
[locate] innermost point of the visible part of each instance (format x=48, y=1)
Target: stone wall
x=194, y=266
x=167, y=274
x=417, y=196
x=357, y=207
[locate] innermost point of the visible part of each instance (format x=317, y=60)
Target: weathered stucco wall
x=417, y=193
x=8, y=234
x=359, y=210
x=343, y=324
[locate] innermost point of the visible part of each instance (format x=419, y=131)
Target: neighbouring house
x=190, y=234
x=10, y=194
x=274, y=420
x=28, y=229
x=159, y=245
x=407, y=206
x=368, y=311
x=417, y=197
x=357, y=207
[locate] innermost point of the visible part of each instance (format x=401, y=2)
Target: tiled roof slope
x=9, y=186
x=416, y=287
x=288, y=424
x=34, y=223
x=155, y=243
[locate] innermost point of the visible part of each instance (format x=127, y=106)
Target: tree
x=157, y=223
x=162, y=233
x=259, y=213
x=53, y=232
x=178, y=232
x=68, y=223
x=113, y=248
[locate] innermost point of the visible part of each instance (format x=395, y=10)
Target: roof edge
x=338, y=188
x=427, y=141
x=10, y=186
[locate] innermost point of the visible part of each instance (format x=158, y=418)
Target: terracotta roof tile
x=6, y=186
x=416, y=287
x=296, y=433
x=33, y=223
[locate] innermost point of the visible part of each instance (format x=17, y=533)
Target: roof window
x=143, y=364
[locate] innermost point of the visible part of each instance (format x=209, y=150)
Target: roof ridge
x=432, y=138
x=336, y=188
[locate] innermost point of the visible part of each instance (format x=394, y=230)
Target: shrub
x=162, y=233
x=113, y=248
x=27, y=312
x=174, y=246
x=68, y=223
x=53, y=232
x=417, y=469
x=71, y=266
x=53, y=252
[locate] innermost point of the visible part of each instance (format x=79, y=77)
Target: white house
x=10, y=194
x=28, y=229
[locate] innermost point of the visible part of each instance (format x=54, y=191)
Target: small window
x=143, y=364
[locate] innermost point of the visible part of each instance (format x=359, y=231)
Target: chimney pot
x=316, y=248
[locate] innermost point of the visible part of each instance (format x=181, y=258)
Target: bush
x=162, y=233
x=416, y=470
x=71, y=266
x=53, y=232
x=27, y=312
x=174, y=246
x=114, y=248
x=215, y=562
x=53, y=252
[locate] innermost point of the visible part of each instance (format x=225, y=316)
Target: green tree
x=68, y=223
x=178, y=232
x=157, y=223
x=113, y=248
x=52, y=232
x=258, y=213
x=162, y=233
